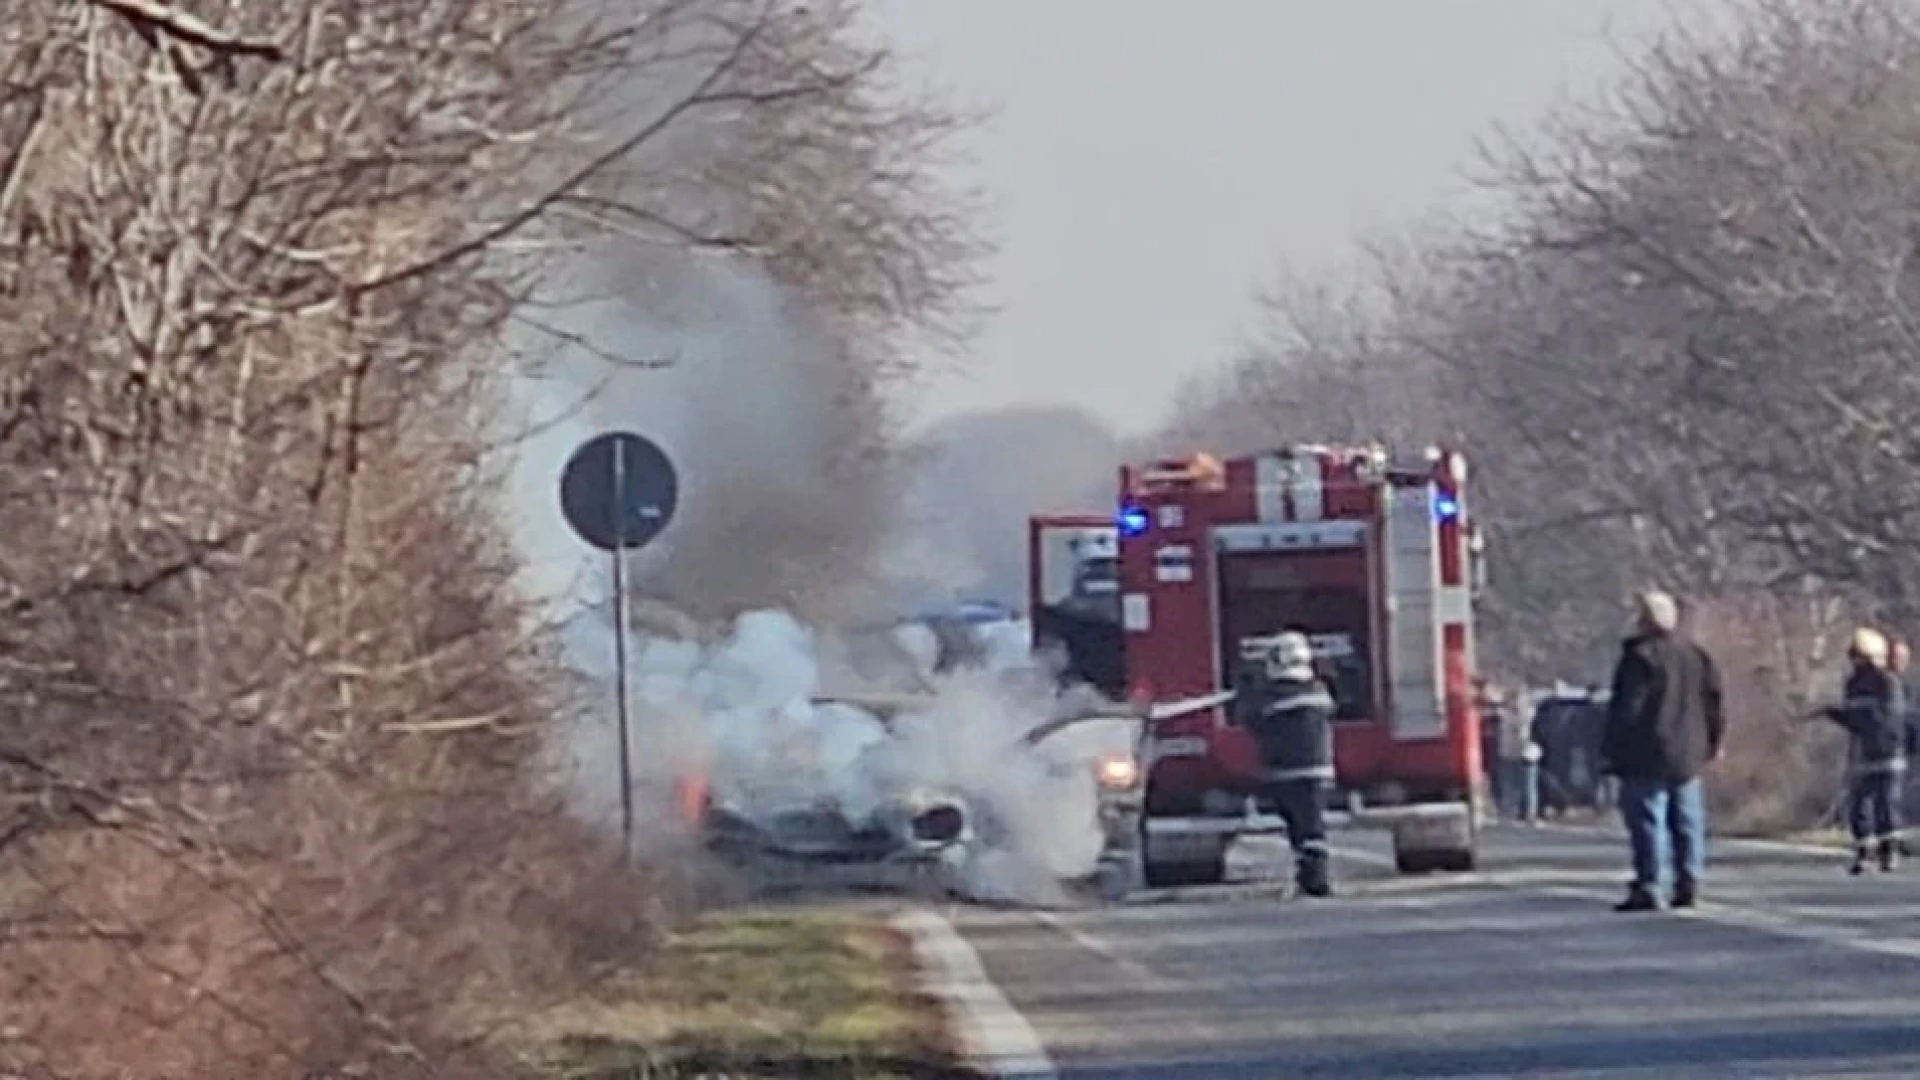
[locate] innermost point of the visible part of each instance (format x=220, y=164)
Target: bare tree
x=1324, y=363
x=1684, y=355
x=274, y=799
x=1718, y=291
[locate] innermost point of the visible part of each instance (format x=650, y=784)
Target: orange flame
x=690, y=797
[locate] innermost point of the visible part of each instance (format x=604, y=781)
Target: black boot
x=1310, y=875
x=1859, y=861
x=1639, y=898
x=1889, y=855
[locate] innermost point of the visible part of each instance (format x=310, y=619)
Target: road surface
x=1789, y=970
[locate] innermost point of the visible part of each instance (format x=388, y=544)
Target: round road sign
x=618, y=490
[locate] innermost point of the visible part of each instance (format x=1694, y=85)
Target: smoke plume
x=968, y=511
x=770, y=751
x=775, y=430
x=755, y=593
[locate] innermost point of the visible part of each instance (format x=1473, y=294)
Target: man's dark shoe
x=1889, y=855
x=1859, y=862
x=1638, y=900
x=1686, y=896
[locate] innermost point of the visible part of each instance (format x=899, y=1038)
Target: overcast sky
x=1148, y=169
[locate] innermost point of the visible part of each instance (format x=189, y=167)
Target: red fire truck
x=1376, y=560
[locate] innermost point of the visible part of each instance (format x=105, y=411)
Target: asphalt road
x=1789, y=969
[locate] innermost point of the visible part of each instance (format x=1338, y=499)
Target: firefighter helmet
x=1276, y=653
x=1292, y=650
x=1870, y=645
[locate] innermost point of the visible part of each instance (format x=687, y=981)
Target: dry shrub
x=1779, y=658
x=371, y=874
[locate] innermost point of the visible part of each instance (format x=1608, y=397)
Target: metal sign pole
x=620, y=517
x=618, y=491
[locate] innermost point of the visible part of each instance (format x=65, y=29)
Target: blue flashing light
x=1133, y=521
x=1446, y=508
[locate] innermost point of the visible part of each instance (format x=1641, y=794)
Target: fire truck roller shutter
x=1310, y=577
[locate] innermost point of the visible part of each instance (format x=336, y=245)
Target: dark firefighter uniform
x=1874, y=713
x=1290, y=713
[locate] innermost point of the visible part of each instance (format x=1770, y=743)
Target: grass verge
x=792, y=994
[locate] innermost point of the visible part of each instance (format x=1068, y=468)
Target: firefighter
x=1874, y=713
x=1291, y=718
x=1899, y=659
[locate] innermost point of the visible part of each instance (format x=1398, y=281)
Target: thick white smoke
x=752, y=411
x=1033, y=809
x=742, y=710
x=750, y=402
x=1036, y=808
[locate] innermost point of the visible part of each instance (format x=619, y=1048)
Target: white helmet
x=1292, y=650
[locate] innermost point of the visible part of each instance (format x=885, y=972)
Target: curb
x=993, y=1037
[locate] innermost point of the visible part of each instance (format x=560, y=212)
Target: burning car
x=1060, y=801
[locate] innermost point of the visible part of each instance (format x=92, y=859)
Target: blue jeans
x=1658, y=814
x=1873, y=806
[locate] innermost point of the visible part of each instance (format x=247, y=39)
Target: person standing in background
x=1898, y=661
x=1519, y=777
x=1530, y=756
x=1664, y=726
x=1490, y=711
x=1606, y=784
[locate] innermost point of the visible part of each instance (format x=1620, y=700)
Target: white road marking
x=1779, y=923
x=1134, y=969
x=1736, y=843
x=997, y=1040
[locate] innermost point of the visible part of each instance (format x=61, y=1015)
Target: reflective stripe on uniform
x=1307, y=772
x=1873, y=768
x=1314, y=845
x=1311, y=699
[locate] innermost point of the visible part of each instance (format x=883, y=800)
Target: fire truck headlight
x=1133, y=521
x=1117, y=772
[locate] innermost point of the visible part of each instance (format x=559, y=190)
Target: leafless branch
x=151, y=18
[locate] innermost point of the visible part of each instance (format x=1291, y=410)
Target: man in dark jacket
x=1290, y=714
x=1664, y=725
x=1874, y=712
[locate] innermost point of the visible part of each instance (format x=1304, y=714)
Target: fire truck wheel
x=1162, y=874
x=1429, y=862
